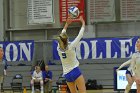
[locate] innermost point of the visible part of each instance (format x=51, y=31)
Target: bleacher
x=14, y=68
x=99, y=70
x=103, y=73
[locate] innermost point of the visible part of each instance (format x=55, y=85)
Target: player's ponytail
x=63, y=38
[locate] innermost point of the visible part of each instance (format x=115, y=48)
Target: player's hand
x=68, y=21
x=117, y=70
x=82, y=20
x=46, y=79
x=70, y=16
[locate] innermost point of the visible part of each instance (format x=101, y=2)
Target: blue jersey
x=47, y=74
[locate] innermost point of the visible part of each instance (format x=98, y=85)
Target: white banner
x=18, y=50
x=99, y=48
x=40, y=11
x=122, y=80
x=102, y=10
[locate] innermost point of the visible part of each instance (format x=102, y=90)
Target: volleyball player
x=128, y=75
x=70, y=64
x=136, y=66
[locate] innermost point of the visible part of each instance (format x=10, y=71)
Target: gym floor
x=88, y=91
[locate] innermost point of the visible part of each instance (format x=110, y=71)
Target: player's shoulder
x=135, y=54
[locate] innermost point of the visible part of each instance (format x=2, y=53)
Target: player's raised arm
x=68, y=22
x=80, y=35
x=82, y=21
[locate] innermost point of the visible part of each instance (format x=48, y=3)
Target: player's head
x=37, y=68
x=138, y=44
x=46, y=67
x=63, y=40
x=1, y=53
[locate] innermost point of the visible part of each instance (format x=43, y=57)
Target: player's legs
x=80, y=82
x=1, y=81
x=32, y=85
x=48, y=86
x=137, y=80
x=72, y=87
x=130, y=82
x=41, y=86
x=75, y=79
x=138, y=88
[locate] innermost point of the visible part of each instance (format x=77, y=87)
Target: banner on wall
x=40, y=11
x=98, y=48
x=130, y=10
x=102, y=10
x=18, y=50
x=64, y=5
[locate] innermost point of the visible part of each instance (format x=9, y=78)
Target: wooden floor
x=88, y=91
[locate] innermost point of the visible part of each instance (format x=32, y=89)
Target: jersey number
x=64, y=55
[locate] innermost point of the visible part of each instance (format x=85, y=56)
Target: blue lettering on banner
x=18, y=50
x=122, y=78
x=98, y=48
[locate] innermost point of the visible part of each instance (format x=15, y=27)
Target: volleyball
x=73, y=12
